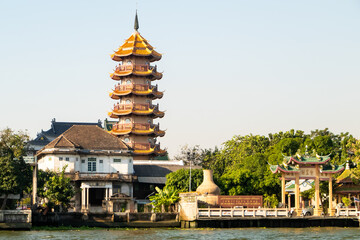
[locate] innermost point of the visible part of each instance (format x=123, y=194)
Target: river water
x=208, y=234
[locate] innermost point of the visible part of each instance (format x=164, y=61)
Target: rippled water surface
x=142, y=234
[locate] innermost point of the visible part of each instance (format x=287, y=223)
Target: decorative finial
x=136, y=24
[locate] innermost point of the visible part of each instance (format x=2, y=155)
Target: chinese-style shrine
x=347, y=185
x=134, y=94
x=299, y=167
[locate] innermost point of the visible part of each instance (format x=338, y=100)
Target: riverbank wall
x=15, y=219
x=138, y=220
x=270, y=222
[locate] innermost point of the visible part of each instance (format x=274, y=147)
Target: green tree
x=59, y=190
x=15, y=177
x=15, y=174
x=164, y=198
x=179, y=179
x=270, y=200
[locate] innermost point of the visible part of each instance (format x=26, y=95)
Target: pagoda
x=134, y=93
x=306, y=166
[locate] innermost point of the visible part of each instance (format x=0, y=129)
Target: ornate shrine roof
x=292, y=164
x=299, y=159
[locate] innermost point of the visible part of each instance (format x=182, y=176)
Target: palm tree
x=164, y=198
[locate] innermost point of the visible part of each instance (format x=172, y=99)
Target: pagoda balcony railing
x=135, y=87
x=123, y=107
x=134, y=106
x=141, y=146
x=134, y=126
x=135, y=67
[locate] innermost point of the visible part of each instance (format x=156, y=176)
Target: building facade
x=99, y=165
x=134, y=93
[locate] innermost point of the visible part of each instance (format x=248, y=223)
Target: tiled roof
x=88, y=137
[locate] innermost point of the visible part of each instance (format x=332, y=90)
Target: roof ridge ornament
x=136, y=23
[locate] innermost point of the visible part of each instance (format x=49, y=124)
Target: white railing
x=242, y=212
x=347, y=212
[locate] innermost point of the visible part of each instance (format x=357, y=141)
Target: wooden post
x=331, y=210
x=289, y=201
x=283, y=188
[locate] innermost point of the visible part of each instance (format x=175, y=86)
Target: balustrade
x=136, y=67
x=129, y=87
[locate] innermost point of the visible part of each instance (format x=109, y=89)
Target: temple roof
x=298, y=159
x=136, y=45
x=283, y=168
x=346, y=177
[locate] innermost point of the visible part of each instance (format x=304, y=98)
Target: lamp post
x=190, y=158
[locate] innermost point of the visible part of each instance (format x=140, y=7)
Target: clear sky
x=230, y=67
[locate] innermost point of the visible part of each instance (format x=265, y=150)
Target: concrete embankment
x=15, y=219
x=269, y=222
x=138, y=220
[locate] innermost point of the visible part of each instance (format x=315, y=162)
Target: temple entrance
x=96, y=196
x=315, y=167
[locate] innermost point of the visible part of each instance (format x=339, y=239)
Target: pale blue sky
x=230, y=67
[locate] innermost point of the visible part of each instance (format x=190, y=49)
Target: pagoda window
x=128, y=120
x=128, y=82
x=129, y=62
x=128, y=101
x=127, y=140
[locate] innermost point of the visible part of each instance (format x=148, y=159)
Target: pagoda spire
x=136, y=24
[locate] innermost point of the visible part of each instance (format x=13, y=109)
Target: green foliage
x=270, y=200
x=15, y=174
x=59, y=190
x=13, y=144
x=179, y=179
x=164, y=198
x=346, y=201
x=42, y=178
x=241, y=166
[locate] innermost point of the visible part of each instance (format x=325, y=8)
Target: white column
x=87, y=198
x=83, y=202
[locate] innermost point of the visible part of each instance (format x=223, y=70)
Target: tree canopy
x=241, y=166
x=15, y=174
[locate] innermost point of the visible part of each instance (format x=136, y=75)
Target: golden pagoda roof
x=136, y=45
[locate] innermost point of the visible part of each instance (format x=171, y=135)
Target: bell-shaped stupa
x=208, y=187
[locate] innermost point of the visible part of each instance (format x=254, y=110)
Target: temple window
x=127, y=120
x=60, y=158
x=128, y=101
x=128, y=81
x=117, y=160
x=67, y=159
x=127, y=140
x=129, y=62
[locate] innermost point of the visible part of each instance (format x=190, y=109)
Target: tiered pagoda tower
x=134, y=93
